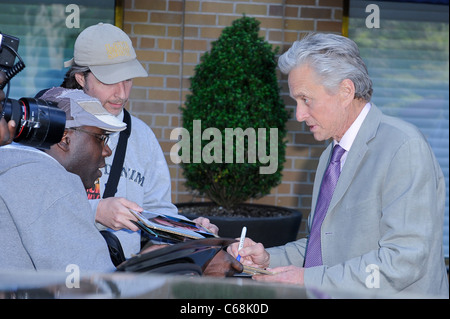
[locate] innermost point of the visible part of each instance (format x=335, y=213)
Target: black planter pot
x=270, y=231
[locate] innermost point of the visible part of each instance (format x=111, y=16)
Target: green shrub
x=235, y=86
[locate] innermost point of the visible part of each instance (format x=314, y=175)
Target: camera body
x=39, y=123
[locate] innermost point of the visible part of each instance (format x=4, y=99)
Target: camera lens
x=39, y=123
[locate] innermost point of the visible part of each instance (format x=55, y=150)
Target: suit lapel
x=355, y=155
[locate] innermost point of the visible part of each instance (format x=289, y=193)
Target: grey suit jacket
x=384, y=225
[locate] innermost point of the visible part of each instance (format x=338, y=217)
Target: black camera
x=39, y=123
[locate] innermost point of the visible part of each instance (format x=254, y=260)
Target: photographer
x=45, y=219
x=6, y=129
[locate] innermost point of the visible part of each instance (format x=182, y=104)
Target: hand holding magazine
x=169, y=227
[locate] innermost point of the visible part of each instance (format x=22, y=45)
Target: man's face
x=87, y=153
x=322, y=111
x=112, y=96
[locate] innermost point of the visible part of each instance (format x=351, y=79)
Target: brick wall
x=170, y=37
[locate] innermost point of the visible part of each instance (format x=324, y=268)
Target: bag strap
x=119, y=157
x=114, y=247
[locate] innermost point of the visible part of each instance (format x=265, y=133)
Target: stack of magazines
x=171, y=228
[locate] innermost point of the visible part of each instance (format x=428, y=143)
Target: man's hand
x=114, y=213
x=288, y=275
x=7, y=130
x=206, y=223
x=252, y=254
x=223, y=265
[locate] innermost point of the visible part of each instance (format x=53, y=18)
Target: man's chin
x=114, y=109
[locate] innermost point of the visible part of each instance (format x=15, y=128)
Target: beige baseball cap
x=108, y=52
x=83, y=110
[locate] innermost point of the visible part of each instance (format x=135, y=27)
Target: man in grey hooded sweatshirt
x=45, y=217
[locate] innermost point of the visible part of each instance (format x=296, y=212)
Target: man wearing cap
x=46, y=220
x=103, y=66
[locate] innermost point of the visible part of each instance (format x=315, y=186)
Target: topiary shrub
x=235, y=119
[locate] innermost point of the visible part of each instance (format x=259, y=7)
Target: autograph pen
x=241, y=242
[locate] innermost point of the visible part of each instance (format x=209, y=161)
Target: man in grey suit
x=383, y=226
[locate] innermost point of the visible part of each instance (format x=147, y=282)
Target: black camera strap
x=119, y=157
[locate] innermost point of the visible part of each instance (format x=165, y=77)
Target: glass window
x=408, y=60
x=47, y=31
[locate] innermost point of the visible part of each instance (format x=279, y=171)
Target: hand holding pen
x=251, y=254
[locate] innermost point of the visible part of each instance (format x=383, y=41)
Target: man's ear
x=80, y=79
x=64, y=144
x=347, y=91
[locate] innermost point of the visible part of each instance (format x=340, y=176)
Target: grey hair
x=334, y=59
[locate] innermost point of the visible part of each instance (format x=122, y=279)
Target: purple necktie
x=329, y=181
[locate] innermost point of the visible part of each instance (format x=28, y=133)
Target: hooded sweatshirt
x=46, y=221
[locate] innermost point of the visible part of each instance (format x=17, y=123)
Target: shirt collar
x=349, y=136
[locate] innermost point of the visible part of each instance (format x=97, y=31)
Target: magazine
x=169, y=227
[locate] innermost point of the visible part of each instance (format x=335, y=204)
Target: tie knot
x=338, y=151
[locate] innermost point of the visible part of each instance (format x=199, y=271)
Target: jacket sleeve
x=292, y=253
